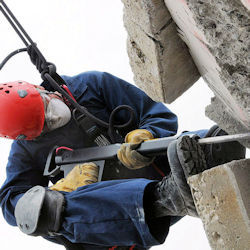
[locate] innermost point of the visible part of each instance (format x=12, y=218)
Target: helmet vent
x=1, y=88
x=7, y=91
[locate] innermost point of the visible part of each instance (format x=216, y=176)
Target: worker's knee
x=39, y=211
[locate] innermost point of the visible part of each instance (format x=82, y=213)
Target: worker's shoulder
x=88, y=77
x=93, y=80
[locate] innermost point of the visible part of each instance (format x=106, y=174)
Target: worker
x=78, y=212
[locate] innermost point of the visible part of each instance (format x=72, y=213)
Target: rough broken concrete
x=222, y=199
x=217, y=33
x=217, y=110
x=159, y=59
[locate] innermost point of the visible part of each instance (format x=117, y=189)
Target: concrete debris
x=218, y=112
x=221, y=196
x=217, y=33
x=159, y=59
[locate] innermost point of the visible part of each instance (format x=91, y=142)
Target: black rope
x=13, y=25
x=10, y=55
x=112, y=126
x=16, y=25
x=23, y=35
x=41, y=64
x=48, y=72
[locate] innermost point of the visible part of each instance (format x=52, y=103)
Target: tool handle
x=56, y=163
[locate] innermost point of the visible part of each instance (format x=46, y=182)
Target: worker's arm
x=21, y=175
x=101, y=92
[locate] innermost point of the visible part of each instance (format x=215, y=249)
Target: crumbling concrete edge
x=160, y=60
x=217, y=111
x=221, y=196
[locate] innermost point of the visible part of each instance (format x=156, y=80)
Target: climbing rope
x=48, y=72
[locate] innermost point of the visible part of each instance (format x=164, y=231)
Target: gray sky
x=77, y=36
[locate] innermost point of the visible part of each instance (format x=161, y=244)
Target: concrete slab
x=150, y=15
x=217, y=33
x=217, y=111
x=222, y=199
x=159, y=59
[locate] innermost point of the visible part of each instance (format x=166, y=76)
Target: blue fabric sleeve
x=21, y=176
x=105, y=92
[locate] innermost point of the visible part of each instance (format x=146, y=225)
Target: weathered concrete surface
x=217, y=33
x=159, y=59
x=217, y=111
x=222, y=199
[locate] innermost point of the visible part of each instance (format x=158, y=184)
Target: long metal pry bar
x=68, y=159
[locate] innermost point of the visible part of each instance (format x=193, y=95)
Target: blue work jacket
x=100, y=93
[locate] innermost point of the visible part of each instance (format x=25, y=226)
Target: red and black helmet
x=21, y=111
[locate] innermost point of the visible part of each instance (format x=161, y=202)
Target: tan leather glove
x=127, y=153
x=80, y=175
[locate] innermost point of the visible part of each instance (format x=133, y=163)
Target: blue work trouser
x=108, y=213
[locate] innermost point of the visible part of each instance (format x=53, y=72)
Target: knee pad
x=39, y=211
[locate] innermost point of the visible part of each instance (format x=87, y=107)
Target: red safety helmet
x=22, y=111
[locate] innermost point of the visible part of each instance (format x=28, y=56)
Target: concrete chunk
x=219, y=113
x=159, y=59
x=222, y=199
x=217, y=33
x=150, y=15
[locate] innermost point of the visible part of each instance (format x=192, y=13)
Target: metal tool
x=224, y=138
x=67, y=159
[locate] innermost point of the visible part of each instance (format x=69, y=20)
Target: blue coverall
x=106, y=213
